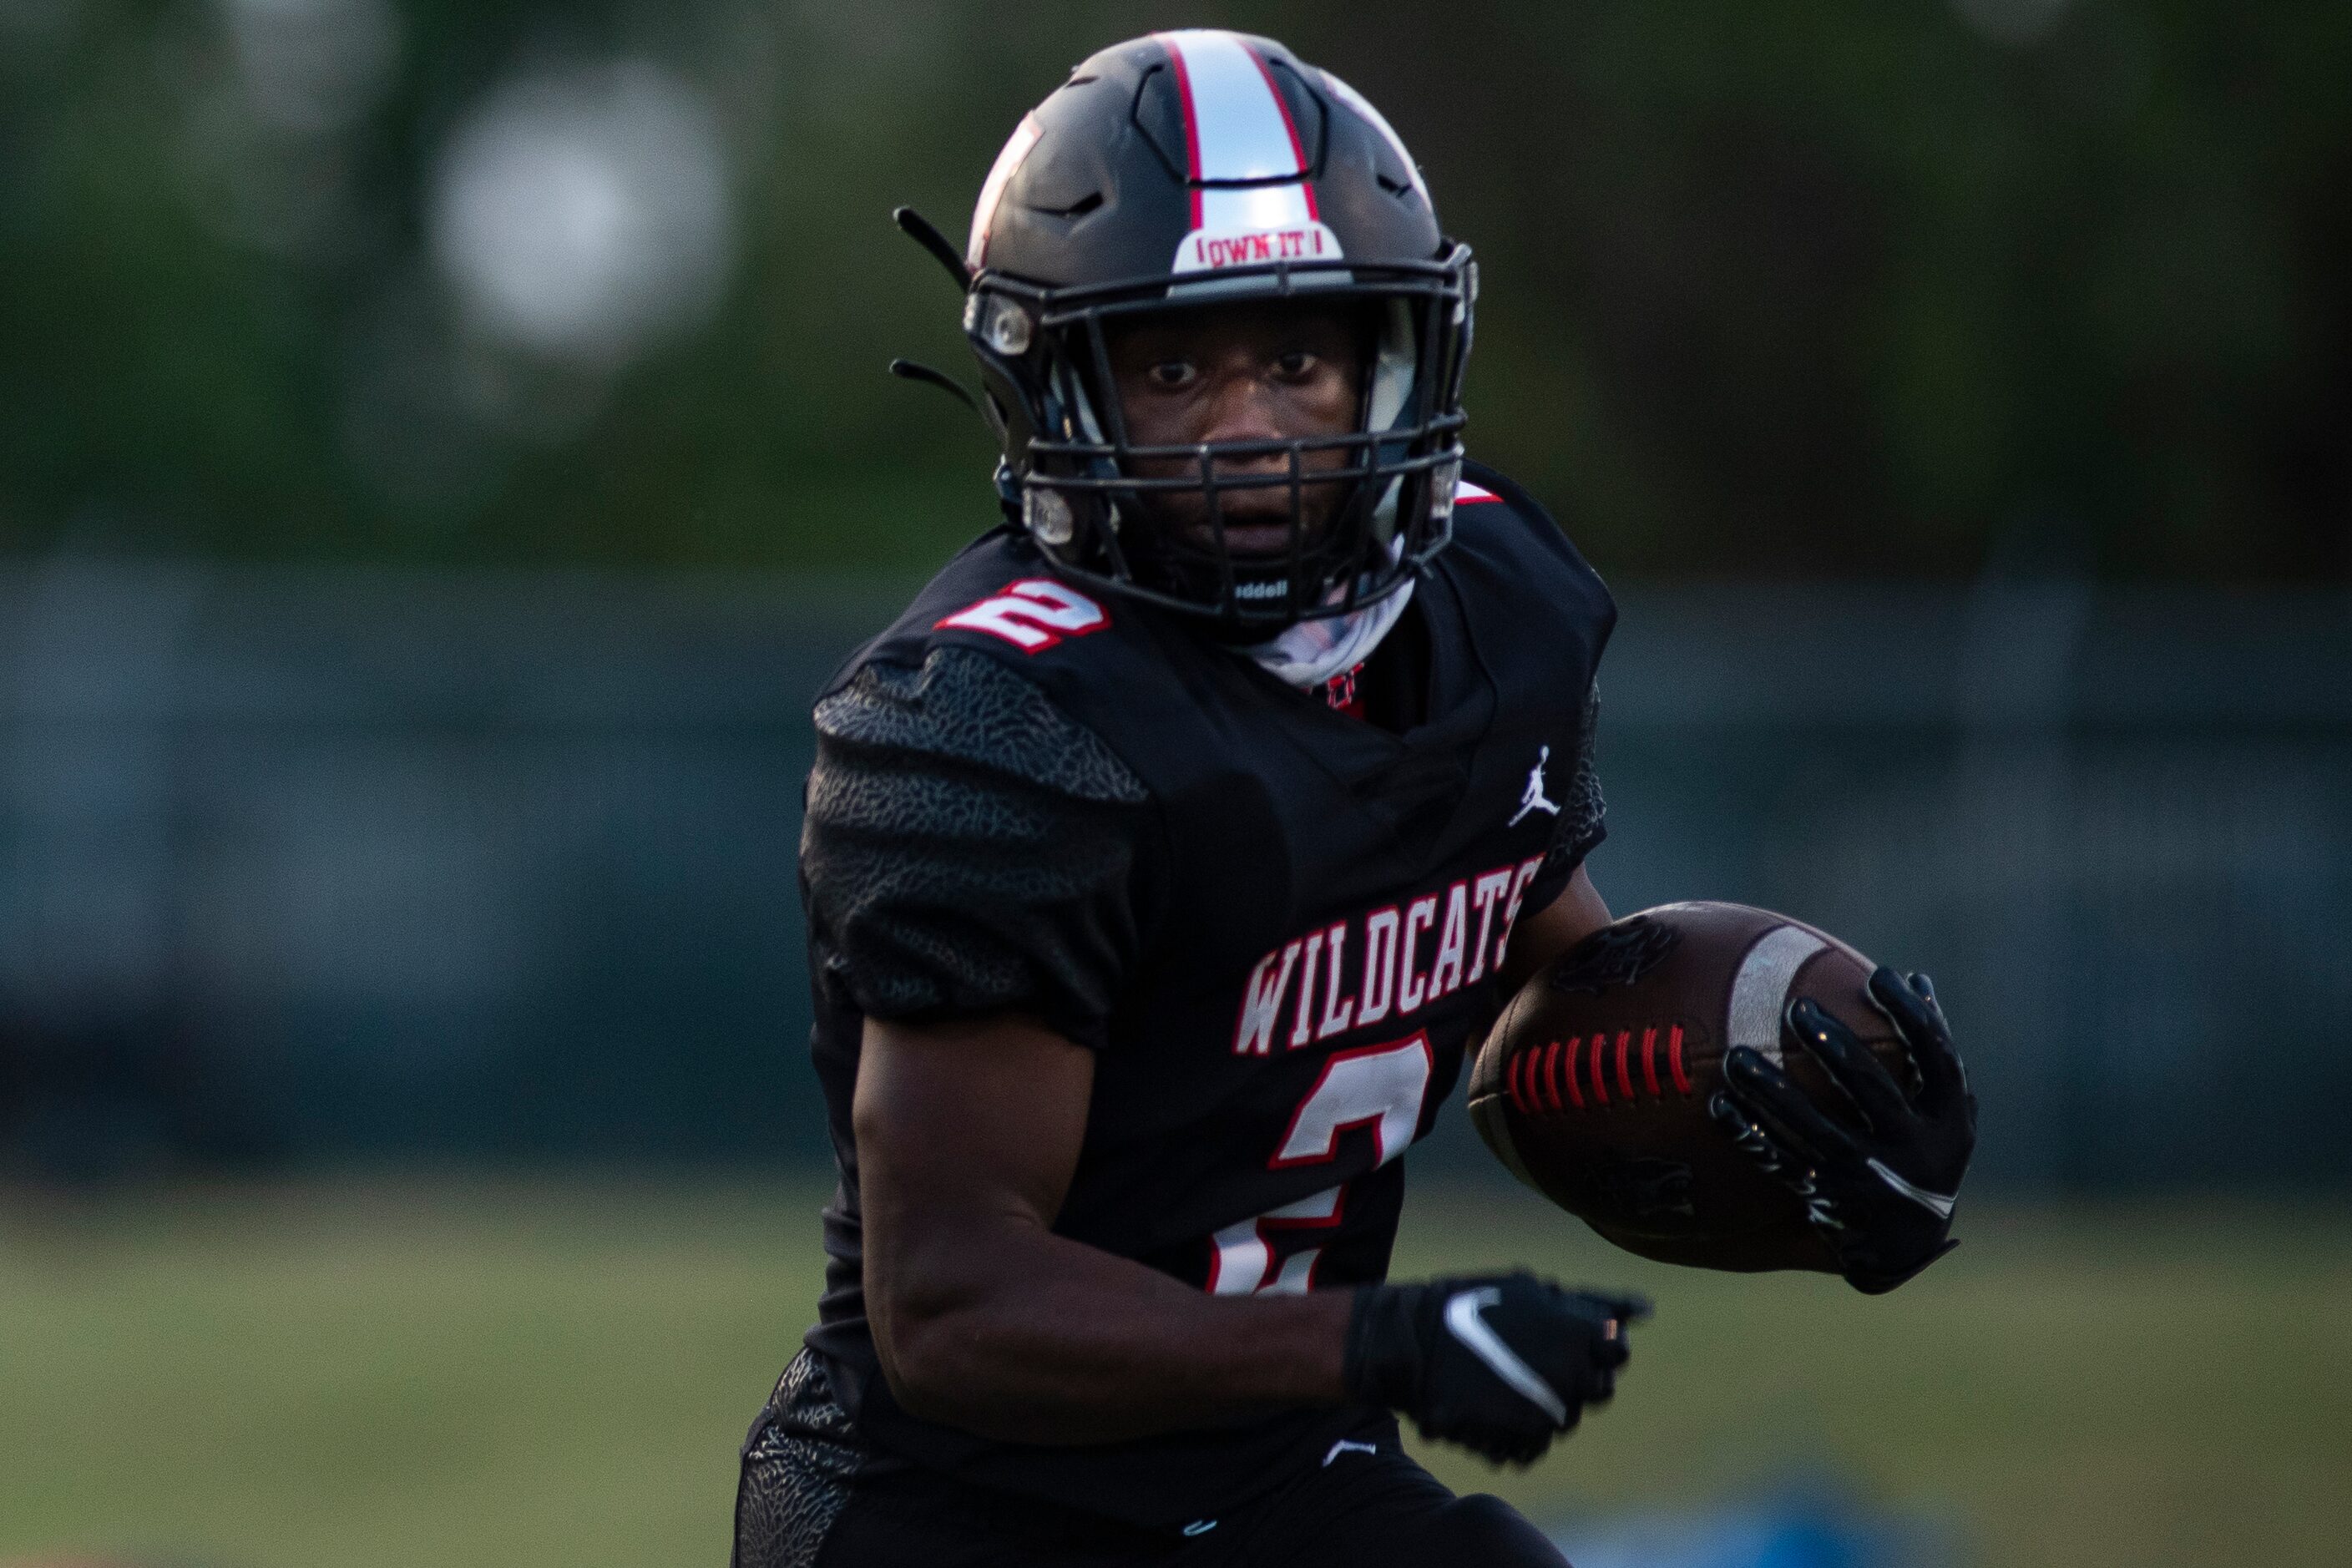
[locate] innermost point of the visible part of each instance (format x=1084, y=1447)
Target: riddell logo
x=1201, y=251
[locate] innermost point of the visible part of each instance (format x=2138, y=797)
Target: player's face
x=1276, y=371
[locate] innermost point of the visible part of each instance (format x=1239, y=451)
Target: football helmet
x=1197, y=168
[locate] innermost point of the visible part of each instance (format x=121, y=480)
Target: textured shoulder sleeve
x=1582, y=822
x=968, y=848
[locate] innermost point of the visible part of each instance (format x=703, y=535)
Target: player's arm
x=967, y=1136
x=979, y=873
x=984, y=1319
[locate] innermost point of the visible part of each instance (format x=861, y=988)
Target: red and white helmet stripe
x=1237, y=127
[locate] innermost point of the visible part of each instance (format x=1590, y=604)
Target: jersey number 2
x=1379, y=1087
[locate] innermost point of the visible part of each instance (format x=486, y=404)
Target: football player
x=1164, y=856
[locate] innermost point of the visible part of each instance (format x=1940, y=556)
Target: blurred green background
x=1813, y=287
x=443, y=447
x=527, y=1375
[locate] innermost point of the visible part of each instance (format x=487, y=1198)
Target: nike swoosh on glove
x=1881, y=1192
x=1500, y=1364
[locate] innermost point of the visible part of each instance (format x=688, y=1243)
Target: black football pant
x=806, y=1500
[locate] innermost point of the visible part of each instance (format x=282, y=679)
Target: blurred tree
x=1807, y=288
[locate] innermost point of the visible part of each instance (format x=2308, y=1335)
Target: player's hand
x=1880, y=1194
x=1501, y=1364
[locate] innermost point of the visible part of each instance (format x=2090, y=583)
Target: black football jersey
x=1278, y=926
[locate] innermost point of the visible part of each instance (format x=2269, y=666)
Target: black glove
x=1880, y=1195
x=1500, y=1364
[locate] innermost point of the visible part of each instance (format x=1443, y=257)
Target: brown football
x=1593, y=1085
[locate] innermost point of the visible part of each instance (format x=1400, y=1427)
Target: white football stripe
x=1760, y=990
x=1239, y=128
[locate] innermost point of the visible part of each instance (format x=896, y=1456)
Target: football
x=1592, y=1085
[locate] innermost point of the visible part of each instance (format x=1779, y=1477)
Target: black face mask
x=1084, y=497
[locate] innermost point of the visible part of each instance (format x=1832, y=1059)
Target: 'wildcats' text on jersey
x=1387, y=977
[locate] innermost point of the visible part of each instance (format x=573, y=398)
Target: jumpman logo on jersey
x=1532, y=797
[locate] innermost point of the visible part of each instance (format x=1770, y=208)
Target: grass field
x=529, y=1375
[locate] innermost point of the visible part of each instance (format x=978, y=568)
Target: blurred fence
x=352, y=867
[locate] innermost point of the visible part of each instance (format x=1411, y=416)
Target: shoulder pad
x=968, y=706
x=1481, y=485
x=1487, y=497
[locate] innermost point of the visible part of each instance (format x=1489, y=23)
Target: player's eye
x=1294, y=365
x=1171, y=375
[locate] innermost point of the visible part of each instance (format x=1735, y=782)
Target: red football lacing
x=1534, y=1075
